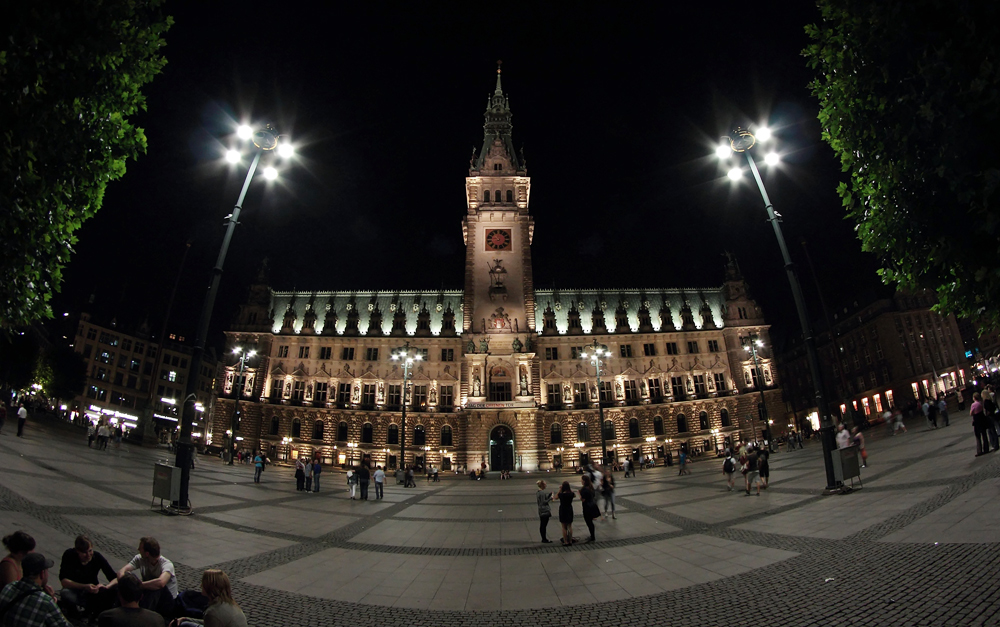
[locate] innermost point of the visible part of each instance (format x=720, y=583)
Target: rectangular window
x=447, y=354
x=677, y=387
x=888, y=397
x=500, y=391
x=298, y=390
x=553, y=394
x=625, y=350
x=344, y=393
x=106, y=358
x=282, y=351
x=134, y=365
x=672, y=348
x=132, y=380
x=693, y=347
x=655, y=392
x=699, y=385
x=446, y=398
x=713, y=346
x=551, y=353
x=325, y=352
x=87, y=350
x=649, y=350
x=424, y=353
x=319, y=396
x=878, y=403
x=878, y=350
x=420, y=395
x=102, y=394
x=102, y=374
x=347, y=354
x=303, y=352
x=371, y=354
x=395, y=396
x=606, y=392
x=122, y=360
x=868, y=356
x=580, y=394
x=368, y=394
x=119, y=378
x=92, y=334
x=126, y=345
x=140, y=348
x=872, y=380
x=857, y=361
x=631, y=390
x=576, y=352
x=720, y=381
x=868, y=409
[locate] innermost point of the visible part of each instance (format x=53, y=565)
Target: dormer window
x=498, y=166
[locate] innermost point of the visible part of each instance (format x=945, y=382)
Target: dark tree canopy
x=910, y=101
x=70, y=77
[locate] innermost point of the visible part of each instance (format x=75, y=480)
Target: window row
x=610, y=433
x=368, y=394
x=367, y=432
x=648, y=349
x=497, y=195
x=348, y=353
x=699, y=386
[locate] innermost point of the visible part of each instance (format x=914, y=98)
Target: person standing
x=379, y=478
x=91, y=434
x=932, y=412
x=3, y=414
x=843, y=437
x=764, y=469
x=543, y=497
x=990, y=411
x=608, y=492
x=409, y=481
x=308, y=472
x=753, y=473
x=352, y=483
x=588, y=498
x=300, y=475
x=729, y=470
x=979, y=425
x=683, y=458
x=566, y=496
x=317, y=471
x=943, y=410
x=961, y=400
x=258, y=462
x=22, y=417
x=364, y=476
x=860, y=441
x=25, y=601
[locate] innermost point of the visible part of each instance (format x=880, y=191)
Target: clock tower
x=497, y=229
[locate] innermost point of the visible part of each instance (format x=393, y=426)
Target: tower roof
x=497, y=127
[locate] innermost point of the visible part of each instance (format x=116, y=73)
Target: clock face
x=498, y=239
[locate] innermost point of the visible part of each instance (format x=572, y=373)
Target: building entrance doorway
x=501, y=448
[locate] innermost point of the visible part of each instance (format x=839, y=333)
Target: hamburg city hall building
x=501, y=382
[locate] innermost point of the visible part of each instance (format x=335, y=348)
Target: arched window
x=296, y=428
x=496, y=196
x=274, y=425
x=682, y=423
x=392, y=435
x=486, y=195
x=633, y=428
x=555, y=433
x=318, y=430
x=342, y=432
x=703, y=420
x=419, y=436
x=658, y=426
x=366, y=433
x=724, y=415
x=582, y=432
x=446, y=436
x=510, y=195
x=609, y=430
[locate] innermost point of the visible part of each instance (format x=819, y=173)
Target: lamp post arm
x=826, y=425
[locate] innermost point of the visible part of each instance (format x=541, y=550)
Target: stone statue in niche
x=618, y=389
x=477, y=384
x=471, y=348
x=516, y=345
x=288, y=389
x=642, y=388
x=434, y=396
x=484, y=345
x=567, y=393
x=593, y=392
x=229, y=382
x=356, y=398
x=524, y=381
x=381, y=392
x=248, y=386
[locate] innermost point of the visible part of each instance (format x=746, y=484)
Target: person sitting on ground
x=159, y=580
x=25, y=601
x=129, y=614
x=78, y=573
x=222, y=608
x=18, y=544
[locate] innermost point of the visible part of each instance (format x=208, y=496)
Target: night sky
x=618, y=110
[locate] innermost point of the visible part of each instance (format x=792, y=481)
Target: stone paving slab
x=284, y=519
x=973, y=517
x=737, y=505
x=60, y=492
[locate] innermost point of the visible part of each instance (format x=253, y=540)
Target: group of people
x=307, y=474
x=985, y=420
x=594, y=482
x=103, y=432
x=363, y=477
x=142, y=593
x=753, y=463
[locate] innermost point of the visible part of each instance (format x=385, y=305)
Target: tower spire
x=498, y=91
x=497, y=128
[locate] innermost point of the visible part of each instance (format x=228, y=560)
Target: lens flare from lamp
x=772, y=158
x=233, y=156
x=270, y=173
x=763, y=134
x=735, y=174
x=285, y=151
x=723, y=151
x=244, y=132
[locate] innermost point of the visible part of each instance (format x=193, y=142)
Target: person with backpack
x=26, y=602
x=729, y=469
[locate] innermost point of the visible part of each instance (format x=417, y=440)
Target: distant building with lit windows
x=502, y=381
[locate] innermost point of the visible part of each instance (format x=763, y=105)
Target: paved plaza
x=918, y=545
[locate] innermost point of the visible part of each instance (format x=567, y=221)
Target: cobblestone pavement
x=917, y=545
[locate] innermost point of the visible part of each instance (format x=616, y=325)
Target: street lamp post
x=265, y=140
x=741, y=141
x=406, y=356
x=235, y=424
x=596, y=353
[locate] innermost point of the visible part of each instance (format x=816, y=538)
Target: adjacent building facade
x=502, y=381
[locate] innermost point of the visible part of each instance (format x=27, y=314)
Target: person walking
x=752, y=473
x=566, y=496
x=961, y=400
x=729, y=470
x=859, y=439
x=764, y=469
x=543, y=497
x=943, y=410
x=625, y=466
x=352, y=483
x=379, y=478
x=683, y=458
x=979, y=425
x=308, y=472
x=897, y=421
x=990, y=410
x=258, y=462
x=409, y=481
x=843, y=436
x=364, y=476
x=588, y=498
x=300, y=475
x=608, y=492
x=91, y=434
x=317, y=471
x=22, y=417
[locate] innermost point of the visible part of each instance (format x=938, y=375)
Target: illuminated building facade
x=501, y=382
